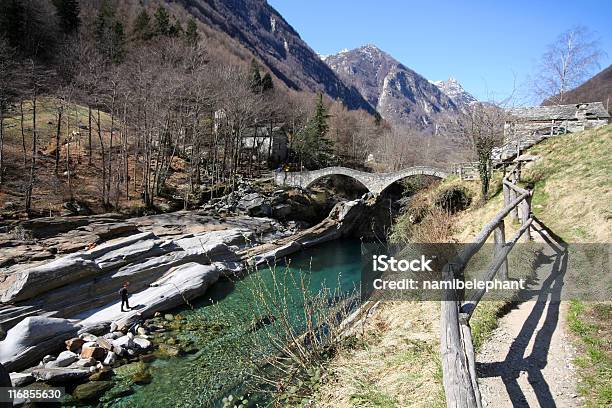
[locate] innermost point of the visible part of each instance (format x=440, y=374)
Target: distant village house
x=536, y=121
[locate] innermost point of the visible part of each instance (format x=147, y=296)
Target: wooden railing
x=456, y=345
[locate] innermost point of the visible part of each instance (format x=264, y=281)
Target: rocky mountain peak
x=400, y=95
x=453, y=89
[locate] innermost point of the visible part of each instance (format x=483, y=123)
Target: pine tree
x=110, y=34
x=255, y=81
x=266, y=82
x=175, y=29
x=118, y=41
x=191, y=34
x=142, y=26
x=314, y=149
x=162, y=21
x=68, y=14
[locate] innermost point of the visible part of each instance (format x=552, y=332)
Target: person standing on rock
x=124, y=297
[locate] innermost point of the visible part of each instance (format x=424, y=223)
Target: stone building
x=537, y=121
x=266, y=143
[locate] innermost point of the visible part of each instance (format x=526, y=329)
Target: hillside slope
x=573, y=181
x=264, y=32
x=596, y=89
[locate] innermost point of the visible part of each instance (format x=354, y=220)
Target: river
x=219, y=329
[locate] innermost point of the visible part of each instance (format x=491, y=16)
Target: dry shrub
x=435, y=227
x=453, y=198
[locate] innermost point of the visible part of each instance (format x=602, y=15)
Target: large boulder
x=60, y=375
x=126, y=250
x=29, y=282
x=64, y=359
x=91, y=391
x=20, y=379
x=33, y=338
x=256, y=205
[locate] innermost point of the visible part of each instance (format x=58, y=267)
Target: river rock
x=91, y=391
x=74, y=344
x=89, y=344
x=33, y=281
x=105, y=343
x=110, y=358
x=88, y=337
x=48, y=358
x=64, y=359
x=130, y=249
x=32, y=338
x=101, y=374
x=60, y=375
x=142, y=343
x=21, y=379
x=86, y=362
x=97, y=353
x=124, y=342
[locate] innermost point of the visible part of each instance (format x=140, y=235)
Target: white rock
x=21, y=379
x=124, y=342
x=88, y=337
x=142, y=343
x=64, y=359
x=89, y=344
x=29, y=282
x=113, y=327
x=31, y=339
x=86, y=362
x=110, y=358
x=48, y=358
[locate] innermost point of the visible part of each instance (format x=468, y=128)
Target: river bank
x=170, y=260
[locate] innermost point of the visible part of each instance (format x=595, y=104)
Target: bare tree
x=482, y=126
x=567, y=63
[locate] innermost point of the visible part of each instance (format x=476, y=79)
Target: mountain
x=453, y=89
x=400, y=95
x=596, y=89
x=266, y=34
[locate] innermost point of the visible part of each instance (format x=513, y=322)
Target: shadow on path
x=546, y=305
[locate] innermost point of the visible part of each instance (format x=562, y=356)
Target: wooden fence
x=456, y=346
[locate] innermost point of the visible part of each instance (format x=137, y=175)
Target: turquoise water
x=220, y=328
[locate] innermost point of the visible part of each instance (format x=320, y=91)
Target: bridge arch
x=374, y=182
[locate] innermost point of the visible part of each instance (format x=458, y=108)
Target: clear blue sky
x=484, y=44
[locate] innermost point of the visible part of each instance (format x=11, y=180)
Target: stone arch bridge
x=374, y=182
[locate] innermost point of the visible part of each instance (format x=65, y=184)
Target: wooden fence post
x=525, y=215
x=468, y=344
x=458, y=386
x=513, y=194
x=499, y=236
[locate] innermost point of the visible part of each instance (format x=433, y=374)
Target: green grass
x=371, y=397
x=590, y=322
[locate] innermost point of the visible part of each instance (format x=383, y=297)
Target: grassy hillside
x=395, y=361
x=572, y=182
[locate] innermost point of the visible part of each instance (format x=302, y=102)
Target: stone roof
x=594, y=110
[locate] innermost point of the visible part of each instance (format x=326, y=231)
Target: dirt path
x=528, y=360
